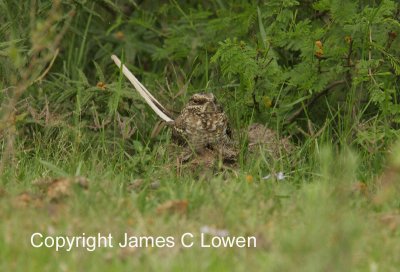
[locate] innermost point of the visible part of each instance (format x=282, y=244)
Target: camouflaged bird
x=202, y=123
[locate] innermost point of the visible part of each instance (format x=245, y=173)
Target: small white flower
x=278, y=176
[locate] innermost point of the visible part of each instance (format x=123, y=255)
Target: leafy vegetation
x=326, y=73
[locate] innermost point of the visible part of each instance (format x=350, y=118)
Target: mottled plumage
x=201, y=124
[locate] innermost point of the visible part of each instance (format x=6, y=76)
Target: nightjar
x=202, y=123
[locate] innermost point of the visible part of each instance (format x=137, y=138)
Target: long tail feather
x=150, y=100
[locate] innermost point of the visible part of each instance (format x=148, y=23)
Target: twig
x=313, y=99
x=38, y=60
x=370, y=53
x=370, y=73
x=348, y=60
x=40, y=78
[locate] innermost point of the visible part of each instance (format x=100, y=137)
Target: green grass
x=307, y=222
x=338, y=209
